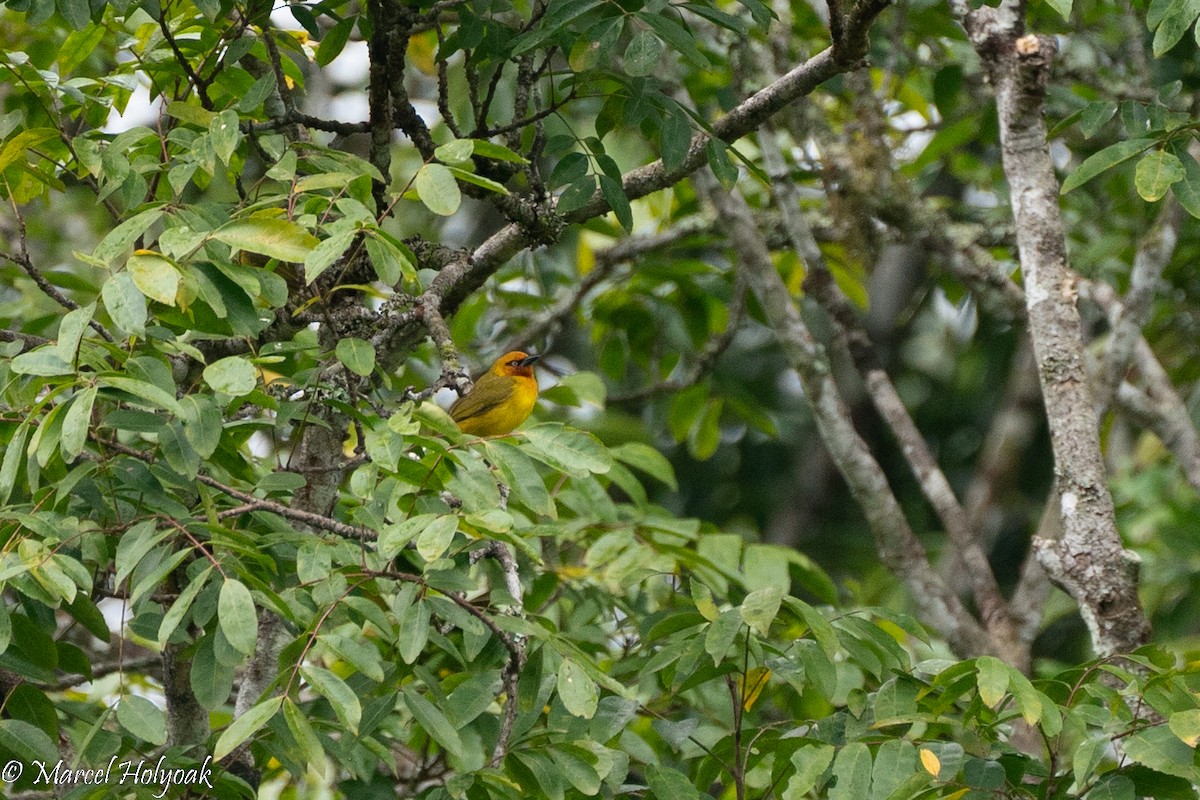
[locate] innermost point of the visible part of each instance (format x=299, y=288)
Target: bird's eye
x=514, y=363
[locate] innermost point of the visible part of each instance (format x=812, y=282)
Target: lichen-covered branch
x=1088, y=561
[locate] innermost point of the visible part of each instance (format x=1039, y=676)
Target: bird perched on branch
x=501, y=399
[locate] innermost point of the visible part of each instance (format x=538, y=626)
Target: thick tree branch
x=1088, y=561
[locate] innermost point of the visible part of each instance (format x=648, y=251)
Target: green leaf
x=181, y=606
x=1063, y=7
x=125, y=303
x=391, y=264
x=1187, y=191
x=577, y=195
x=414, y=631
x=704, y=438
x=575, y=764
x=44, y=361
x=224, y=134
x=1186, y=725
x=11, y=465
x=1159, y=9
x=143, y=390
x=822, y=631
x=394, y=537
x=547, y=783
x=497, y=152
x=1113, y=787
x=434, y=722
x=237, y=616
x=719, y=163
x=852, y=768
x=202, y=423
x=574, y=452
x=478, y=180
x=642, y=54
x=360, y=654
x=334, y=41
x=1160, y=749
x=674, y=33
x=271, y=237
x=522, y=477
x=1177, y=21
x=246, y=726
x=1029, y=700
x=614, y=195
x=556, y=19
x=259, y=91
x=433, y=542
x=357, y=355
x=211, y=679
x=154, y=276
x=437, y=189
x=76, y=423
x=232, y=375
x=1155, y=174
x=326, y=254
x=71, y=329
x=122, y=237
x=675, y=139
x=143, y=719
x=721, y=634
x=670, y=784
x=27, y=742
x=177, y=451
x=457, y=151
x=1094, y=117
x=991, y=677
x=645, y=458
x=16, y=147
x=341, y=697
x=760, y=607
x=133, y=546
x=576, y=689
x=895, y=764
x=189, y=113
x=810, y=763
x=302, y=731
x=79, y=44
x=1103, y=161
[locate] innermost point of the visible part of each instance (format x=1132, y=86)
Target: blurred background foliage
x=649, y=338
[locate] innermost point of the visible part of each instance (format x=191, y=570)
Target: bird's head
x=515, y=363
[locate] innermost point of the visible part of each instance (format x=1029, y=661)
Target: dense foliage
x=244, y=246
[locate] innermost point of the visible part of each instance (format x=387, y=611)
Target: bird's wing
x=474, y=403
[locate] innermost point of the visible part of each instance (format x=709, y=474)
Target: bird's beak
x=528, y=360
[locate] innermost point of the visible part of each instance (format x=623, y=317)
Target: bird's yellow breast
x=506, y=416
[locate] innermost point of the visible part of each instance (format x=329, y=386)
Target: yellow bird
x=501, y=399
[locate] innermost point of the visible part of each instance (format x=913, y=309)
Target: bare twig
x=252, y=503
x=1153, y=254
x=22, y=260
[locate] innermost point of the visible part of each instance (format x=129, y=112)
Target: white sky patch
x=352, y=65
x=349, y=107
x=140, y=110
x=980, y=198
x=281, y=17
